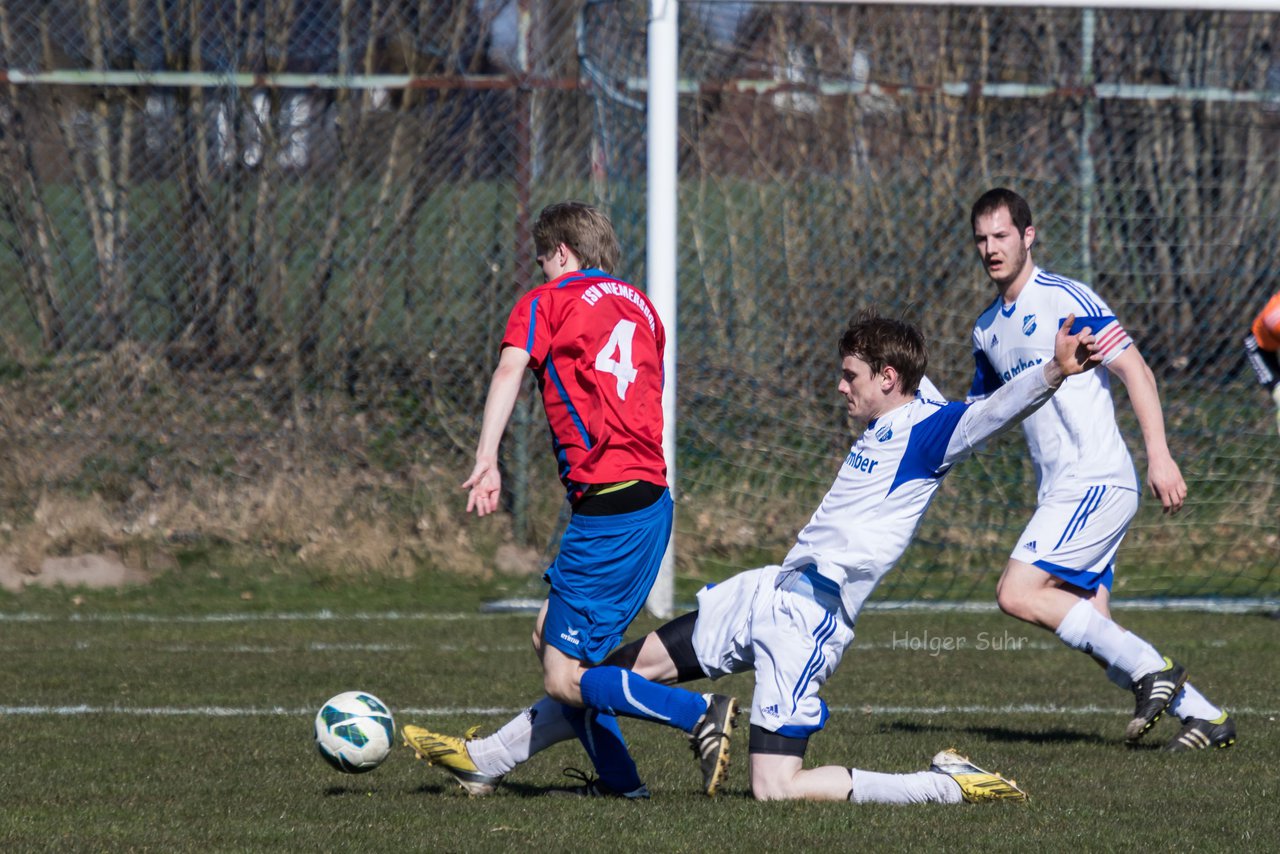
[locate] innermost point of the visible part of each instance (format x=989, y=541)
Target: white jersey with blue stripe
x=890, y=475
x=1075, y=436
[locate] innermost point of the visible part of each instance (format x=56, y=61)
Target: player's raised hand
x=485, y=484
x=1075, y=353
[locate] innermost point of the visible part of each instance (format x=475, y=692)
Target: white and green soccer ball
x=354, y=732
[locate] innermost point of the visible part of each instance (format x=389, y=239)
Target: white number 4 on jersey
x=621, y=367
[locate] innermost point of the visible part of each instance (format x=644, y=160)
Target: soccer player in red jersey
x=595, y=345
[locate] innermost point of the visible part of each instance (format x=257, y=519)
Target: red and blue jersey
x=595, y=345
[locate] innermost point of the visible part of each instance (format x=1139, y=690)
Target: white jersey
x=868, y=517
x=1075, y=436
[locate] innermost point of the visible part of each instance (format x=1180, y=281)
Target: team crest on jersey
x=1028, y=324
x=884, y=433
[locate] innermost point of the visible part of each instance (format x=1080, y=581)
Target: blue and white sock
x=621, y=692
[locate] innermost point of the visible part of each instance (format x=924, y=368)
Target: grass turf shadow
x=1003, y=733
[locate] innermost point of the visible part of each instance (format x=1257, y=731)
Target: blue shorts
x=602, y=576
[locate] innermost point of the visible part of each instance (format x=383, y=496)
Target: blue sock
x=621, y=692
x=600, y=735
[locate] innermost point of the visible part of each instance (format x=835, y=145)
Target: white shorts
x=1074, y=535
x=793, y=641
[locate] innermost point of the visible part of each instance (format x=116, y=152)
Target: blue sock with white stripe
x=600, y=735
x=621, y=692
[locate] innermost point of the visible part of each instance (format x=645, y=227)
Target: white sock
x=1083, y=628
x=921, y=787
x=1190, y=703
x=536, y=728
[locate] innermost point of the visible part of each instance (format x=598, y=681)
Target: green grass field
x=177, y=717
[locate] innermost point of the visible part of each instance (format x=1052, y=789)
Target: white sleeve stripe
x=1073, y=288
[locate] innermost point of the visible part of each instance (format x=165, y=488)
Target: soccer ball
x=354, y=732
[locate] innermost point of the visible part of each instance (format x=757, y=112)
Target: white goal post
x=663, y=88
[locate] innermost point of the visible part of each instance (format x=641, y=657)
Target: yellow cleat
x=976, y=785
x=450, y=753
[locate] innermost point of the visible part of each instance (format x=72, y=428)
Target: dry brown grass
x=121, y=454
x=334, y=522
x=112, y=451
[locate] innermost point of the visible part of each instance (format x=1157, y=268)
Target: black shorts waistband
x=628, y=499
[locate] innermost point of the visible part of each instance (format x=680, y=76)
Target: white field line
x=1208, y=604
x=958, y=643
x=248, y=649
x=1019, y=644
x=325, y=616
x=280, y=711
x=261, y=649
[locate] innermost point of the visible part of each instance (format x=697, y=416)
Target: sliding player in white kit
x=792, y=623
x=1060, y=572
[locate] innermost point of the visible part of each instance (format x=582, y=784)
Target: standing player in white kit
x=1060, y=572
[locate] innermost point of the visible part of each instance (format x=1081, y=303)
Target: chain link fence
x=256, y=257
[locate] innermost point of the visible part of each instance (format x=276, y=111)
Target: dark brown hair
x=1001, y=197
x=881, y=341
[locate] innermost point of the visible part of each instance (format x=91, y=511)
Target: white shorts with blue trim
x=1074, y=534
x=792, y=638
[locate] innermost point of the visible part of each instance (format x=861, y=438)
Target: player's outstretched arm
x=1072, y=353
x=485, y=482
